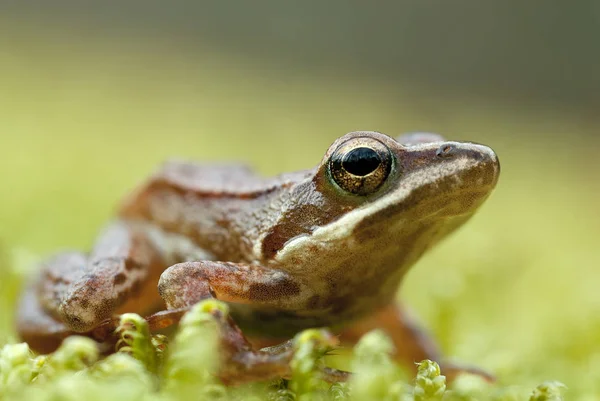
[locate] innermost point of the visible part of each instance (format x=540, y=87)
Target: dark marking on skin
x=268, y=291
x=316, y=203
x=131, y=264
x=91, y=289
x=294, y=222
x=92, y=277
x=223, y=223
x=136, y=287
x=274, y=241
x=57, y=279
x=340, y=304
x=313, y=302
x=73, y=321
x=119, y=278
x=104, y=310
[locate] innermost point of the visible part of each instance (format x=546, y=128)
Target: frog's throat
x=343, y=228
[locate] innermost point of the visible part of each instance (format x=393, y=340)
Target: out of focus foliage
x=515, y=291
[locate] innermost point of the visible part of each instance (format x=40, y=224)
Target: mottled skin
x=288, y=253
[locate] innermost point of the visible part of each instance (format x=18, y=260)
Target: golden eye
x=360, y=165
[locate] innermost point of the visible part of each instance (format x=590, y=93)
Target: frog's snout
x=473, y=151
x=485, y=162
x=475, y=163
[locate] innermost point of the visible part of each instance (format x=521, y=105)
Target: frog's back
x=221, y=208
x=219, y=180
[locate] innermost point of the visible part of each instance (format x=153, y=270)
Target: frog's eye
x=360, y=165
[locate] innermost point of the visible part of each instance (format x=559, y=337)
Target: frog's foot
x=83, y=290
x=452, y=370
x=412, y=343
x=75, y=291
x=185, y=284
x=240, y=362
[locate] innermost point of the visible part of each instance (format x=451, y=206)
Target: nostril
x=445, y=150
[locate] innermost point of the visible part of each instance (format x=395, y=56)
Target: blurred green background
x=93, y=95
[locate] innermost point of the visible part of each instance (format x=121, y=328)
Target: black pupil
x=361, y=161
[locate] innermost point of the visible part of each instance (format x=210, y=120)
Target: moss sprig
x=548, y=391
x=376, y=376
x=310, y=347
x=136, y=340
x=193, y=358
x=430, y=384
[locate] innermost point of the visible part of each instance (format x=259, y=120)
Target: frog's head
x=385, y=181
x=374, y=198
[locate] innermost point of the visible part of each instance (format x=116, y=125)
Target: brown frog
x=326, y=247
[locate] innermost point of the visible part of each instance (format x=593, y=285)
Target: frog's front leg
x=412, y=343
x=185, y=284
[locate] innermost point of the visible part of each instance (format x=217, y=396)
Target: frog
x=326, y=247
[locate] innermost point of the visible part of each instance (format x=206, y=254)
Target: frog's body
x=323, y=247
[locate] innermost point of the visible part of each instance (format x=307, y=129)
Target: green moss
x=189, y=370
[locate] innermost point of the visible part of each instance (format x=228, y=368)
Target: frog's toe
x=452, y=370
x=78, y=323
x=183, y=285
x=89, y=301
x=80, y=315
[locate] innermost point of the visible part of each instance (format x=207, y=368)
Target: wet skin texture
x=326, y=247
